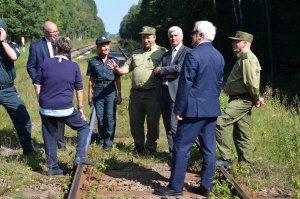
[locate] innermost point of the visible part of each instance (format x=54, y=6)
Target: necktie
x=173, y=54
x=53, y=48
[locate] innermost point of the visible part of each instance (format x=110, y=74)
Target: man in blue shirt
x=9, y=97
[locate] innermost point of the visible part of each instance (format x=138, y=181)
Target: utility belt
x=5, y=86
x=240, y=96
x=103, y=81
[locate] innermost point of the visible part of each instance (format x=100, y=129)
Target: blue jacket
x=38, y=51
x=200, y=83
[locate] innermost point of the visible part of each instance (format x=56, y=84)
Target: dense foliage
x=273, y=23
x=75, y=18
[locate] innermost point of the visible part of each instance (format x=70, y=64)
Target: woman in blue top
x=104, y=91
x=54, y=85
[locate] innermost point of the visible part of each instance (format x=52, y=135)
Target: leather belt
x=103, y=81
x=240, y=96
x=5, y=86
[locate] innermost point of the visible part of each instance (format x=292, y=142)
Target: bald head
x=50, y=31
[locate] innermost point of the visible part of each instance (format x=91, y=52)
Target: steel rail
x=236, y=186
x=81, y=169
x=123, y=53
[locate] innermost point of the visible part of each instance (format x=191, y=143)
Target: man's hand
x=260, y=102
x=178, y=117
x=156, y=70
x=3, y=34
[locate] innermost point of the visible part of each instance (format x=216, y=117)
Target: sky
x=112, y=12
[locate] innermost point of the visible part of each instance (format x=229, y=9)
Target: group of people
x=182, y=84
x=187, y=83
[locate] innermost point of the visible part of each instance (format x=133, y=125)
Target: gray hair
x=175, y=29
x=64, y=45
x=207, y=29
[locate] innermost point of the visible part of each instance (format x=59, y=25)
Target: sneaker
x=224, y=163
x=82, y=160
x=56, y=171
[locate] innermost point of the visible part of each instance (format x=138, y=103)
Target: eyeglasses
x=53, y=32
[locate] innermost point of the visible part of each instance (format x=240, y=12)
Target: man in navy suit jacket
x=169, y=71
x=197, y=107
x=38, y=51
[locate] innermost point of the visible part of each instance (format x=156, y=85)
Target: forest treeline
x=75, y=18
x=274, y=24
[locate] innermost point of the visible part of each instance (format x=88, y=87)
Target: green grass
x=275, y=131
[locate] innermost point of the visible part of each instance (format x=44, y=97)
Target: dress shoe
x=224, y=163
x=56, y=171
x=166, y=191
x=201, y=190
x=82, y=160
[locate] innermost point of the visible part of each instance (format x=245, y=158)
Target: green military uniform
x=243, y=89
x=143, y=102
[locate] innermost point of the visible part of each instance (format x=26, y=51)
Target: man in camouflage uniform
x=243, y=89
x=9, y=97
x=143, y=102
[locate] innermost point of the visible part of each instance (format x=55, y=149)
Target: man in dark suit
x=197, y=107
x=169, y=71
x=38, y=51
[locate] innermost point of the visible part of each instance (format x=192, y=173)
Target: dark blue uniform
x=104, y=98
x=11, y=100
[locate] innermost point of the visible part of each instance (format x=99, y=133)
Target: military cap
x=147, y=30
x=242, y=36
x=101, y=40
x=3, y=25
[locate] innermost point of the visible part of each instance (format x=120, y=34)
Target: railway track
x=80, y=51
x=83, y=176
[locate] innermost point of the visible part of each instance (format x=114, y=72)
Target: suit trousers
x=189, y=129
x=18, y=113
x=50, y=135
x=169, y=117
x=238, y=114
x=144, y=105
